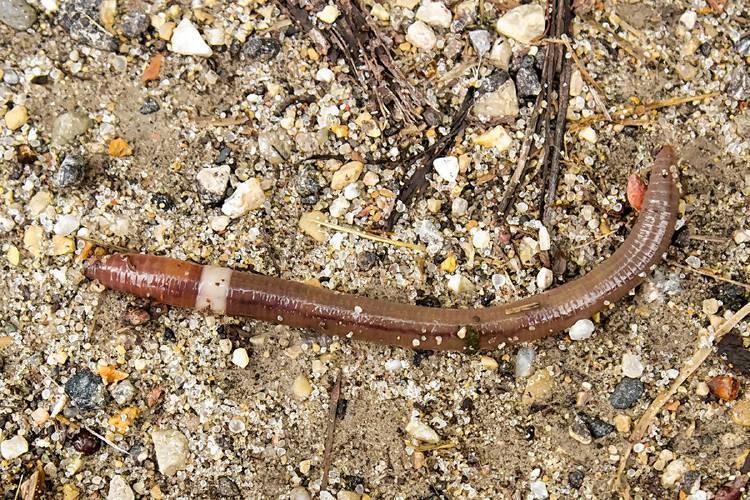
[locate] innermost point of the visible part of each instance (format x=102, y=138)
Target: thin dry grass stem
x=592, y=241
x=370, y=236
x=705, y=348
x=640, y=109
x=594, y=87
x=106, y=441
x=709, y=274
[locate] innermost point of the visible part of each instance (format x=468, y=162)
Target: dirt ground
x=257, y=431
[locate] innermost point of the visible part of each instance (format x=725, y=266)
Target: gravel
x=86, y=390
x=626, y=393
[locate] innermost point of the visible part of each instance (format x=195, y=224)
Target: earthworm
x=219, y=290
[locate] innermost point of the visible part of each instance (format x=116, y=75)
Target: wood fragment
x=332, y=406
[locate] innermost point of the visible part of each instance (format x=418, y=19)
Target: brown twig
x=417, y=180
x=556, y=69
x=333, y=405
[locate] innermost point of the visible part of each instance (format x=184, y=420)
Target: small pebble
x=68, y=126
x=85, y=443
x=134, y=24
x=724, y=387
x=123, y=393
x=459, y=284
x=488, y=363
x=421, y=36
x=226, y=488
x=525, y=361
x=16, y=117
x=741, y=236
x=688, y=19
x=481, y=239
x=627, y=392
x=119, y=489
x=308, y=224
x=435, y=14
x=575, y=479
x=86, y=390
x=622, y=423
x=329, y=14
x=240, y=357
x=673, y=473
x=459, y=206
x=539, y=388
x=527, y=81
x=501, y=54
x=247, y=196
x=538, y=490
x=524, y=23
x=348, y=173
x=581, y=329
x=263, y=49
x=172, y=450
x=481, y=40
x=301, y=388
x=545, y=243
x=14, y=447
x=17, y=14
x=631, y=365
x=711, y=306
x=136, y=316
x=219, y=223
x=421, y=431
x=499, y=104
x=588, y=134
x=693, y=262
x=597, y=427
x=544, y=279
x=447, y=168
x=579, y=431
x=186, y=40
x=149, y=106
x=213, y=183
x=496, y=137
x=325, y=75
x=66, y=224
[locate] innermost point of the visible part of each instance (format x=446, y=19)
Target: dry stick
x=334, y=403
x=523, y=157
x=373, y=237
x=548, y=197
x=705, y=349
x=417, y=180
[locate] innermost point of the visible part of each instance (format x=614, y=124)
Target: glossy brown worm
x=223, y=291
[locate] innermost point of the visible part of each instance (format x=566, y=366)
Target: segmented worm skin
x=223, y=291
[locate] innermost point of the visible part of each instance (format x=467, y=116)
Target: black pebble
x=493, y=82
x=732, y=296
x=627, y=392
x=86, y=443
x=86, y=390
x=597, y=427
x=575, y=479
x=150, y=105
x=341, y=407
x=261, y=48
x=163, y=201
x=367, y=260
x=226, y=488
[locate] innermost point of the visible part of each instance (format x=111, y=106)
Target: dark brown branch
x=417, y=180
x=332, y=406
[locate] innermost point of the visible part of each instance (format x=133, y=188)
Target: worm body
x=223, y=291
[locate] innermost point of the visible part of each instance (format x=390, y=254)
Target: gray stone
x=17, y=14
x=134, y=24
x=627, y=392
x=743, y=46
x=501, y=104
x=597, y=427
x=123, y=392
x=481, y=41
x=150, y=105
x=86, y=390
x=68, y=126
x=738, y=83
x=72, y=170
x=80, y=18
x=261, y=48
x=226, y=488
